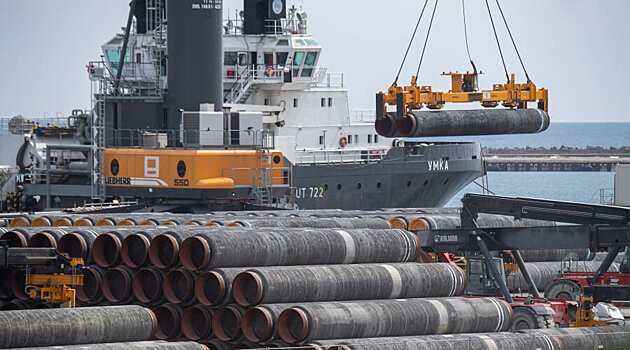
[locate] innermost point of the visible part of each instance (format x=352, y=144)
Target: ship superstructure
x=181, y=82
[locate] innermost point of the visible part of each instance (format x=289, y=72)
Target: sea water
x=566, y=186
x=583, y=187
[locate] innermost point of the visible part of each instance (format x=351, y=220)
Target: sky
x=577, y=49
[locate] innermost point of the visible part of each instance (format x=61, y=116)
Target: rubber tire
x=526, y=318
x=563, y=289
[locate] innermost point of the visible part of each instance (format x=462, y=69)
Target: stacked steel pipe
x=265, y=279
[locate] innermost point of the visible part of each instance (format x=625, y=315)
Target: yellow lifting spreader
x=464, y=88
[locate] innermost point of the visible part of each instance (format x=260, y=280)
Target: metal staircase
x=98, y=144
x=244, y=87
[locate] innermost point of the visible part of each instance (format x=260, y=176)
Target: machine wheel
x=526, y=318
x=563, y=289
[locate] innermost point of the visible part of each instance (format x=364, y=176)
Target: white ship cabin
x=307, y=107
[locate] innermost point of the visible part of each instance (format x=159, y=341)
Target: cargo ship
x=191, y=110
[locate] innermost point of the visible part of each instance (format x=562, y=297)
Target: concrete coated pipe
x=17, y=237
x=344, y=223
x=259, y=324
x=86, y=325
x=473, y=122
x=393, y=317
x=47, y=238
x=168, y=318
x=453, y=221
x=197, y=322
x=147, y=286
x=78, y=244
x=226, y=322
x=117, y=285
x=478, y=341
x=609, y=337
x=214, y=287
x=282, y=284
x=216, y=344
x=298, y=247
x=179, y=286
x=544, y=273
x=139, y=345
x=91, y=291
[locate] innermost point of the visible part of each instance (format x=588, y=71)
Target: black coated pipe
x=16, y=237
x=47, y=238
x=179, y=286
x=139, y=345
x=261, y=247
x=168, y=318
x=380, y=318
x=214, y=287
x=86, y=325
x=259, y=324
x=147, y=286
x=117, y=285
x=91, y=291
x=226, y=322
x=197, y=322
x=472, y=122
x=135, y=247
x=216, y=344
x=282, y=284
x=78, y=244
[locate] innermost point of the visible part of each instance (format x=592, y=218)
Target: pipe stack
x=268, y=279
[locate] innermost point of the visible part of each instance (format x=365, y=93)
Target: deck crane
x=409, y=121
x=50, y=276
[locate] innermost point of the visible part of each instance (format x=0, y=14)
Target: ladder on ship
x=97, y=179
x=265, y=180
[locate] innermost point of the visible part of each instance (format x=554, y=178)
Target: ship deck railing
x=251, y=177
x=191, y=139
x=340, y=156
x=23, y=126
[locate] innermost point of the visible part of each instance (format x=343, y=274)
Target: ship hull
x=420, y=176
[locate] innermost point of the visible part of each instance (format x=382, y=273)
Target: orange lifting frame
x=463, y=89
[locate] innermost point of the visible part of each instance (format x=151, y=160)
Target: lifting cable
x=410, y=42
x=426, y=40
x=513, y=42
x=466, y=37
x=498, y=43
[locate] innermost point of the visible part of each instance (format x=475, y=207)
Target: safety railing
x=168, y=138
x=340, y=156
x=250, y=177
x=137, y=79
x=330, y=80
x=26, y=125
x=362, y=115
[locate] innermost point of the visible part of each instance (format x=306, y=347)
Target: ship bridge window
x=114, y=58
x=311, y=42
x=370, y=138
x=230, y=58
x=298, y=57
x=309, y=62
x=375, y=138
x=283, y=42
x=299, y=42
x=281, y=58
